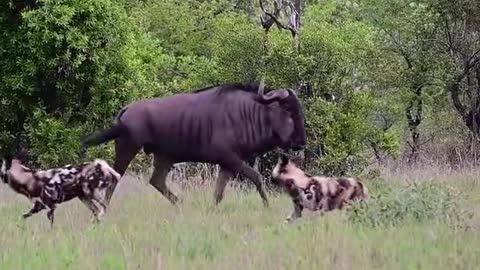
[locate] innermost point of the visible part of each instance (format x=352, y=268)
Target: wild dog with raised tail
x=47, y=188
x=316, y=193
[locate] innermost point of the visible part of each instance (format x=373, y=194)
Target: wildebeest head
x=287, y=117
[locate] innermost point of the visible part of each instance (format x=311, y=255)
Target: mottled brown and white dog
x=316, y=193
x=47, y=188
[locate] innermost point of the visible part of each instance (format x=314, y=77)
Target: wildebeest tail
x=103, y=136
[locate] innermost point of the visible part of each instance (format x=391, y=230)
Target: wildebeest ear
x=273, y=96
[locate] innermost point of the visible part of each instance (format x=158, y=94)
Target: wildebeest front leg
x=254, y=176
x=159, y=178
x=223, y=176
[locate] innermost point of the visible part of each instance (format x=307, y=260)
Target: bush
x=391, y=205
x=51, y=141
x=69, y=66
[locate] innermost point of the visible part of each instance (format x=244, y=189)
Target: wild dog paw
x=288, y=220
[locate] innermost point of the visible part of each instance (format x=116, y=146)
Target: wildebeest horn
x=261, y=87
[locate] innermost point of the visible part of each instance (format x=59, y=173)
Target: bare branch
x=267, y=23
x=277, y=22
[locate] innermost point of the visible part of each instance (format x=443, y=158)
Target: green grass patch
x=402, y=227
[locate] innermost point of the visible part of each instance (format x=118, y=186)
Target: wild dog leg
x=37, y=207
x=223, y=177
x=89, y=203
x=296, y=213
x=97, y=196
x=100, y=200
x=159, y=178
x=51, y=214
x=340, y=198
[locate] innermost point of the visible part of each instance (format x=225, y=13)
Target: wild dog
x=47, y=188
x=316, y=193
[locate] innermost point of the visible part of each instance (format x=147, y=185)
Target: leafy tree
x=67, y=65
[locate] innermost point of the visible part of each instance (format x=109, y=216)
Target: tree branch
x=454, y=86
x=268, y=22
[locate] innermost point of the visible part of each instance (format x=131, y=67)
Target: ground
x=142, y=230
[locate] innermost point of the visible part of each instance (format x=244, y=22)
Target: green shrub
x=392, y=205
x=51, y=142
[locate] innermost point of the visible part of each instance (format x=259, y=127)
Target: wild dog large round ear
x=283, y=159
x=22, y=155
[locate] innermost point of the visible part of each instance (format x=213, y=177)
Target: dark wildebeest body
x=222, y=125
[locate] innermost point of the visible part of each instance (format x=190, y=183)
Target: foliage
x=78, y=61
x=51, y=142
x=236, y=47
x=73, y=64
x=419, y=202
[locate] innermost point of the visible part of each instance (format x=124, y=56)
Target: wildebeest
x=47, y=188
x=315, y=192
x=224, y=125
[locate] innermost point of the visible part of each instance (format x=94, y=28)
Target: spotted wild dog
x=47, y=188
x=316, y=193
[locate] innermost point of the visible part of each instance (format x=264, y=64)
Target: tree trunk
x=414, y=114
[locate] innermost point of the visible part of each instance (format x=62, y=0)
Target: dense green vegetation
x=406, y=74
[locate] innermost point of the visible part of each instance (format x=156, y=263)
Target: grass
x=142, y=230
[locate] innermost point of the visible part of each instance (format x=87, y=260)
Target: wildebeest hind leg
x=159, y=177
x=125, y=151
x=223, y=176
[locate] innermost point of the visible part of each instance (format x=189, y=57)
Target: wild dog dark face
x=287, y=168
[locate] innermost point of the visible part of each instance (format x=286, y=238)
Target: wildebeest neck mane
x=252, y=88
